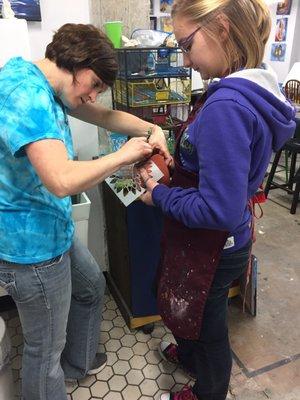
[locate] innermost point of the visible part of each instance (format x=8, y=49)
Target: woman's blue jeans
x=59, y=303
x=209, y=357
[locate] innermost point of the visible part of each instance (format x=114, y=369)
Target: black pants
x=210, y=357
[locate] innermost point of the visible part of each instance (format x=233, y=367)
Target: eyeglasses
x=186, y=44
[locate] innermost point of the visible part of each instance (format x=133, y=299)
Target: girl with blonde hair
x=221, y=157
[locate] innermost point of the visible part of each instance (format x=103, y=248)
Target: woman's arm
x=122, y=122
x=113, y=120
x=64, y=177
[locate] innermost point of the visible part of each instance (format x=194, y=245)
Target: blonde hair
x=249, y=27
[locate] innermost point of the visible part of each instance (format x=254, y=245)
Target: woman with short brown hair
x=54, y=280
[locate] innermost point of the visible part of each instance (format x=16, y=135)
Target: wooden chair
x=292, y=146
x=292, y=90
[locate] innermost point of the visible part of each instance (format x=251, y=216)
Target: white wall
x=16, y=32
x=54, y=14
x=293, y=45
x=296, y=46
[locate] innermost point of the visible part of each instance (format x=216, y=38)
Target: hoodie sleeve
x=222, y=136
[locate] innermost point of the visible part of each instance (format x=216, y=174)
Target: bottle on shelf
x=151, y=62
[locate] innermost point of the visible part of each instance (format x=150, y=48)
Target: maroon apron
x=188, y=262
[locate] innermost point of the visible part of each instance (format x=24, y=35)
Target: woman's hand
x=157, y=140
x=136, y=149
x=149, y=183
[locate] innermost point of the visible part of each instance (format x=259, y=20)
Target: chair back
x=292, y=90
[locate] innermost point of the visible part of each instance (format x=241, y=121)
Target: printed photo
x=166, y=24
x=166, y=6
x=278, y=52
x=281, y=29
x=284, y=7
x=26, y=9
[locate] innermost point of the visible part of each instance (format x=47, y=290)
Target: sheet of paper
x=126, y=183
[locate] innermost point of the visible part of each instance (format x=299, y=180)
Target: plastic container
x=81, y=213
x=151, y=62
x=6, y=379
x=113, y=30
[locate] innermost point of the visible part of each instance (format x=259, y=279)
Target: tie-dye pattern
x=35, y=225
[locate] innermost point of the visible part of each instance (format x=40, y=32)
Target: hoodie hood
x=260, y=87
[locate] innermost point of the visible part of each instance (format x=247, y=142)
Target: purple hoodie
x=229, y=144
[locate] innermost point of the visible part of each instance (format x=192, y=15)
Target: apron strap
x=251, y=204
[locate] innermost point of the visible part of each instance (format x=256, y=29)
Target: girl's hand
x=157, y=140
x=149, y=183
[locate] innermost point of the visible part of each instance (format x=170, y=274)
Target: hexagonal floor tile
x=88, y=381
x=106, y=326
x=149, y=387
x=111, y=305
x=81, y=393
x=104, y=337
x=125, y=353
x=131, y=393
x=105, y=374
x=112, y=345
x=153, y=357
x=134, y=377
x=151, y=371
x=140, y=349
x=134, y=368
x=113, y=396
x=165, y=381
x=117, y=383
x=128, y=340
x=116, y=332
x=111, y=358
x=99, y=389
x=142, y=337
x=137, y=362
x=121, y=367
x=119, y=321
x=109, y=315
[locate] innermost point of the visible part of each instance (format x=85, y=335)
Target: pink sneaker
x=184, y=394
x=168, y=352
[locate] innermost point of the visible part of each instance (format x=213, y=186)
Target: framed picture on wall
x=26, y=9
x=281, y=29
x=278, y=51
x=166, y=24
x=284, y=7
x=166, y=6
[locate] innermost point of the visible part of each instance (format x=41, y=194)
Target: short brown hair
x=249, y=27
x=78, y=46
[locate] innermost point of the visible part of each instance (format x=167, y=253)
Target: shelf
x=154, y=92
x=151, y=62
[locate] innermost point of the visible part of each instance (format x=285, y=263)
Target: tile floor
x=266, y=348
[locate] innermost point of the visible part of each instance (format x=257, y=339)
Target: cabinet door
x=144, y=226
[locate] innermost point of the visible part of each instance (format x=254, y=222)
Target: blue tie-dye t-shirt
x=35, y=225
